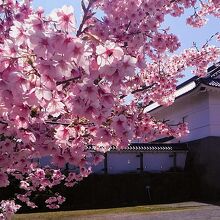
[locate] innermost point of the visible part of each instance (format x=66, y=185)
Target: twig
x=68, y=124
x=68, y=80
x=58, y=123
x=3, y=122
x=210, y=39
x=194, y=45
x=139, y=90
x=33, y=67
x=85, y=16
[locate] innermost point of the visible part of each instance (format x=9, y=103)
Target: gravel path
x=197, y=211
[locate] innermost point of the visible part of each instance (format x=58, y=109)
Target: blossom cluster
x=7, y=209
x=55, y=201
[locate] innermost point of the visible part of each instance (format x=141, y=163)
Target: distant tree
x=65, y=86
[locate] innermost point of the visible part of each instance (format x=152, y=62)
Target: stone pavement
x=189, y=211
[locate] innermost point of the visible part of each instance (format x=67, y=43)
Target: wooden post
x=141, y=162
x=141, y=166
x=106, y=164
x=174, y=160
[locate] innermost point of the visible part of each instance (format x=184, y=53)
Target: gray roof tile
x=143, y=147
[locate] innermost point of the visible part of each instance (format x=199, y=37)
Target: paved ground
x=190, y=211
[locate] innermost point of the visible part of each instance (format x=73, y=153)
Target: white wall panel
x=181, y=160
x=99, y=168
x=123, y=162
x=157, y=162
x=195, y=110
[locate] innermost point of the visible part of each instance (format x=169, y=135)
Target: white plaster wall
x=157, y=162
x=152, y=162
x=214, y=113
x=122, y=162
x=194, y=108
x=99, y=168
x=181, y=160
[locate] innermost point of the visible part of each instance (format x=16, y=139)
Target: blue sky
x=186, y=34
x=49, y=5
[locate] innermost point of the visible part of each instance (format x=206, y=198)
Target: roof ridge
x=148, y=147
x=213, y=71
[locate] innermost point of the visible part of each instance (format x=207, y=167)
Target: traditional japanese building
x=142, y=157
x=198, y=103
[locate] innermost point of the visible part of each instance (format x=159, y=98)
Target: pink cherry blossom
x=55, y=107
x=43, y=94
x=65, y=18
x=108, y=53
x=40, y=44
x=18, y=32
x=98, y=159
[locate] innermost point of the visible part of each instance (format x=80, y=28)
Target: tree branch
x=68, y=124
x=207, y=42
x=57, y=123
x=85, y=16
x=3, y=122
x=139, y=90
x=68, y=80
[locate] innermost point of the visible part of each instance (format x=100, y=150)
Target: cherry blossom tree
x=67, y=84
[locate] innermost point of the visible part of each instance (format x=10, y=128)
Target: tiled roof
x=212, y=78
x=214, y=70
x=143, y=147
x=211, y=82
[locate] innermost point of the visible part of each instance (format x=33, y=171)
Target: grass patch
x=79, y=215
